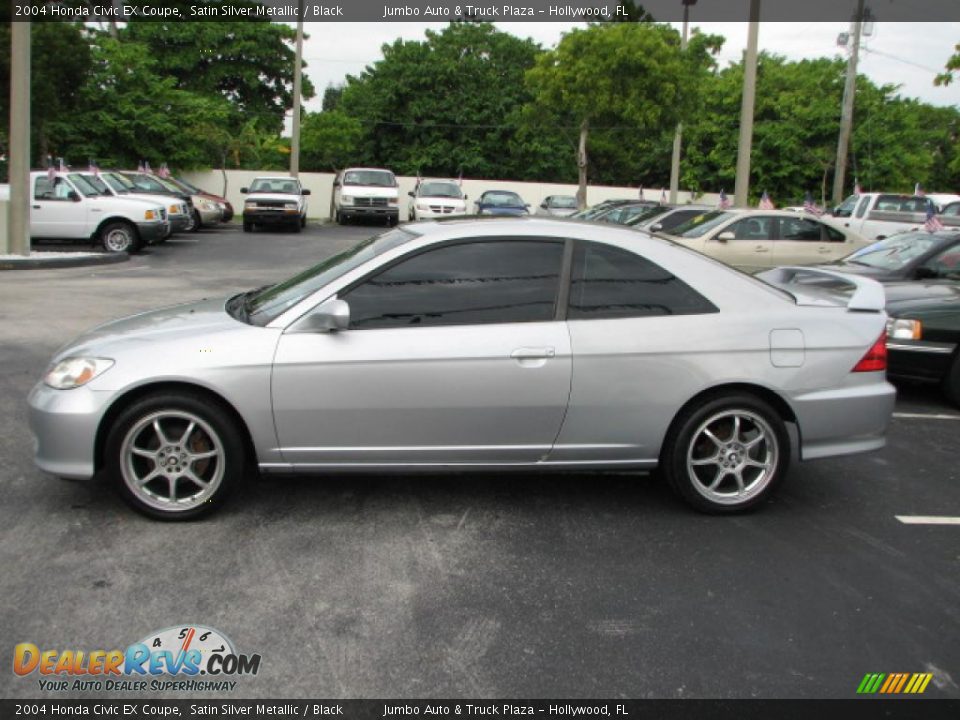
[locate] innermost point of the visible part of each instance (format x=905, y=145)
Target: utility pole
x=678, y=135
x=297, y=81
x=846, y=116
x=18, y=220
x=742, y=187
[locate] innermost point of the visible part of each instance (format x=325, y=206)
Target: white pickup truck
x=366, y=193
x=275, y=200
x=69, y=208
x=879, y=215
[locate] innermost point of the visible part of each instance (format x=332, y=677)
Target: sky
x=908, y=54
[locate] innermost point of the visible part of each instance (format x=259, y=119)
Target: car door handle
x=761, y=248
x=36, y=207
x=823, y=250
x=533, y=353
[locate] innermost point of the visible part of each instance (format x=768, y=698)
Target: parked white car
x=435, y=199
x=754, y=240
x=366, y=193
x=278, y=200
x=876, y=216
x=177, y=206
x=67, y=207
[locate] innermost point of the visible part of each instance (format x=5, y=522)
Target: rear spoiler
x=815, y=286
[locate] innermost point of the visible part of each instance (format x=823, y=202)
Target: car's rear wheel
x=174, y=456
x=303, y=221
x=197, y=222
x=727, y=454
x=118, y=237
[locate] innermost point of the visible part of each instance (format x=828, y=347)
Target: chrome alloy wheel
x=732, y=456
x=118, y=239
x=172, y=460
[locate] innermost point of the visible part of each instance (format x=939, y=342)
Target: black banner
x=853, y=709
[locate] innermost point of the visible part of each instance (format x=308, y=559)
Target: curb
x=62, y=261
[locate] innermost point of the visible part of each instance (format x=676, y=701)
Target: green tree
x=619, y=74
x=952, y=66
x=60, y=60
x=445, y=104
x=329, y=141
x=250, y=64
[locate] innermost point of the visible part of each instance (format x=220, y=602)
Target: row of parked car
x=121, y=210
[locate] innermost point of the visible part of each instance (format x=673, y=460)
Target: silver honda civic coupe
x=504, y=343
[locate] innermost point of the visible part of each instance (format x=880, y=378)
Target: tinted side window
x=862, y=207
x=43, y=189
x=608, y=282
x=834, y=235
x=755, y=228
x=678, y=218
x=952, y=210
x=470, y=283
x=799, y=229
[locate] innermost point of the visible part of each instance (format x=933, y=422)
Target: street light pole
x=742, y=186
x=297, y=82
x=18, y=220
x=846, y=116
x=678, y=135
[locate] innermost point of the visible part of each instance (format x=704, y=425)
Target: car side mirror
x=411, y=194
x=327, y=317
x=305, y=191
x=244, y=191
x=726, y=236
x=466, y=197
x=72, y=195
x=926, y=273
x=543, y=205
x=656, y=227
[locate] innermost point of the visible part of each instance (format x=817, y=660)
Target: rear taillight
x=876, y=358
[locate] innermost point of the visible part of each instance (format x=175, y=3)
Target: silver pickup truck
x=879, y=215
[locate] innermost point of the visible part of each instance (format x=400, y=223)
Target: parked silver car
x=507, y=343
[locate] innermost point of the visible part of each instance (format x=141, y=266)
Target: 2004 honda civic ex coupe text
x=501, y=343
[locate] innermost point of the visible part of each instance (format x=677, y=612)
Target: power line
x=900, y=59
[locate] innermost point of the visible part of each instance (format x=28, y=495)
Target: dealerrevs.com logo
x=185, y=658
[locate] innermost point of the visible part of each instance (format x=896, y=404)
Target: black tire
x=296, y=227
x=951, y=382
x=303, y=221
x=197, y=222
x=119, y=236
x=219, y=423
x=338, y=216
x=736, y=453
x=247, y=226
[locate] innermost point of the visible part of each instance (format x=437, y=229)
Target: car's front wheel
x=174, y=455
x=727, y=454
x=118, y=237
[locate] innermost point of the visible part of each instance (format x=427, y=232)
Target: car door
x=53, y=214
x=751, y=246
x=805, y=241
x=637, y=333
x=453, y=355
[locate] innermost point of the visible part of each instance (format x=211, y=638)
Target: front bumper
x=178, y=223
x=271, y=216
x=353, y=211
x=64, y=426
x=919, y=359
x=210, y=217
x=153, y=232
x=430, y=214
x=227, y=213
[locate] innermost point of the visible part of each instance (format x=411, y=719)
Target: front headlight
x=392, y=201
x=73, y=372
x=290, y=205
x=250, y=204
x=346, y=199
x=174, y=209
x=902, y=329
x=423, y=206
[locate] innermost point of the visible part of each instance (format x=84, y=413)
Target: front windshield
x=440, y=189
x=84, y=186
x=268, y=304
x=282, y=186
x=118, y=182
x=701, y=224
x=846, y=208
x=893, y=253
x=502, y=199
x=145, y=182
x=194, y=190
x=379, y=178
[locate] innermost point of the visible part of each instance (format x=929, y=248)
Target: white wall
x=321, y=190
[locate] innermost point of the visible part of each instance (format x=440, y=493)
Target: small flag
x=663, y=196
x=164, y=171
x=51, y=170
x=146, y=167
x=933, y=223
x=641, y=192
x=724, y=200
x=810, y=206
x=140, y=167
x=857, y=190
x=917, y=190
x=94, y=169
x=765, y=202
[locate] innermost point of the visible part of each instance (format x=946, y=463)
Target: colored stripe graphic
x=894, y=683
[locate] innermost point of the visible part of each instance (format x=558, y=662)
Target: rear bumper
x=919, y=360
x=847, y=420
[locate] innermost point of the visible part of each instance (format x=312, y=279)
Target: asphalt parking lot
x=479, y=585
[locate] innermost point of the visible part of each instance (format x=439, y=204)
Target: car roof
x=354, y=169
x=276, y=177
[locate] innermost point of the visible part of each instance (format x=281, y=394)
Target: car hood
x=928, y=294
x=198, y=319
x=503, y=209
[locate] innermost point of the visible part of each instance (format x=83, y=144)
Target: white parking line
x=926, y=416
x=927, y=520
